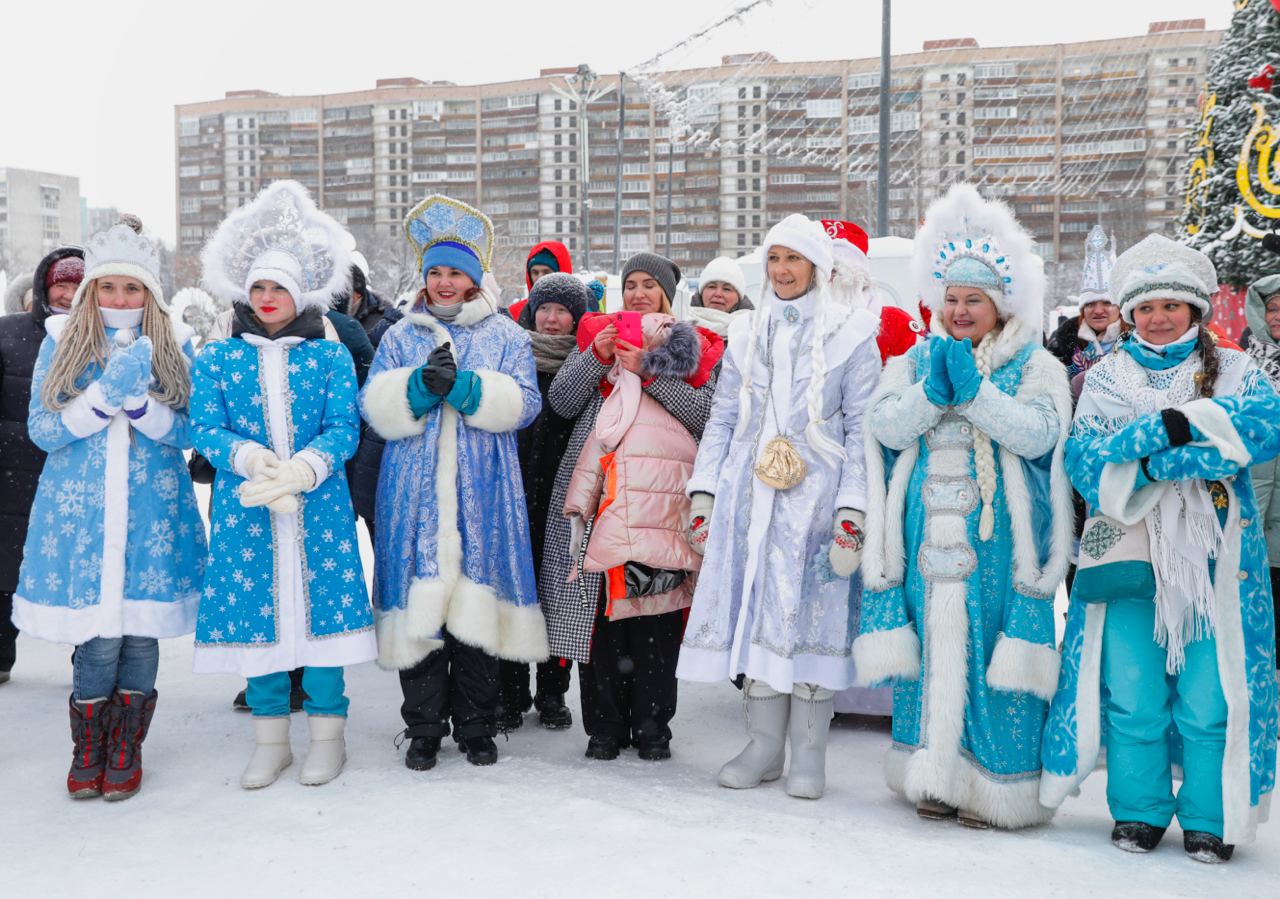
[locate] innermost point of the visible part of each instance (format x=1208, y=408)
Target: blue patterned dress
x=283, y=590
x=964, y=627
x=116, y=544
x=452, y=535
x=1105, y=442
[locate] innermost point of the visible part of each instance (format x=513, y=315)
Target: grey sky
x=88, y=89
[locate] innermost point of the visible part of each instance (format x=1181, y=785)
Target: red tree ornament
x=1265, y=79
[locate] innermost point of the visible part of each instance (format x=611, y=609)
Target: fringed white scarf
x=1184, y=528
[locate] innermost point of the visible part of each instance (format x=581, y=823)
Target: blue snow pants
x=1143, y=702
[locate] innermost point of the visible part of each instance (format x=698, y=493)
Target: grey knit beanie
x=663, y=270
x=560, y=288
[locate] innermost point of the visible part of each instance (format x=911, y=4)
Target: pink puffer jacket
x=636, y=496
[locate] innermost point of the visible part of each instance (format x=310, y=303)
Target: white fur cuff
x=882, y=656
x=1019, y=666
x=501, y=403
x=79, y=417
x=156, y=422
x=386, y=405
x=396, y=649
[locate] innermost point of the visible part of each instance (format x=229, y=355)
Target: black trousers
x=629, y=689
x=1275, y=598
x=8, y=633
x=552, y=679
x=457, y=683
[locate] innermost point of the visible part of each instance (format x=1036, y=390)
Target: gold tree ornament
x=1261, y=139
x=1201, y=166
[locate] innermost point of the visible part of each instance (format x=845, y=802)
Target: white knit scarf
x=1184, y=528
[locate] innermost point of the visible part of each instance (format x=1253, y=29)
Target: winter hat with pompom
x=557, y=287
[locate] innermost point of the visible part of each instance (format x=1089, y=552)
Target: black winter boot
x=1134, y=836
x=89, y=757
x=422, y=753
x=509, y=718
x=553, y=714
x=480, y=750
x=654, y=749
x=603, y=749
x=1205, y=847
x=131, y=713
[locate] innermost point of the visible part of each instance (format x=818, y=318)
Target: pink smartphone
x=629, y=329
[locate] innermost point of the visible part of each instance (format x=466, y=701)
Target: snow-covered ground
x=543, y=822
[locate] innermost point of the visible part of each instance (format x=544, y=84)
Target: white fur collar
x=472, y=313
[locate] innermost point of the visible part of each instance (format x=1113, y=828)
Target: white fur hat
x=726, y=270
x=280, y=236
x=122, y=251
x=807, y=237
x=973, y=242
x=1157, y=268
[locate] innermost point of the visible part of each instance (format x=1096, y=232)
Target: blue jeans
x=103, y=664
x=1143, y=703
x=268, y=694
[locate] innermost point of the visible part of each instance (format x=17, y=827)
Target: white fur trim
x=473, y=312
x=396, y=649
x=1240, y=820
x=79, y=417
x=1055, y=788
x=1009, y=805
x=317, y=465
x=1220, y=432
x=882, y=656
x=501, y=403
x=479, y=618
x=156, y=422
x=1020, y=666
x=386, y=405
x=137, y=617
x=1042, y=376
x=1118, y=499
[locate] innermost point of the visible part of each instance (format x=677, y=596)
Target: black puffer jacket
x=21, y=461
x=376, y=315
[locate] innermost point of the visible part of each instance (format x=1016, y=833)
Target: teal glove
x=421, y=400
x=465, y=393
x=963, y=371
x=937, y=382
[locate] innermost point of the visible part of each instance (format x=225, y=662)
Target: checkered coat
x=575, y=394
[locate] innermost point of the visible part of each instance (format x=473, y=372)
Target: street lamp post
x=582, y=93
x=882, y=175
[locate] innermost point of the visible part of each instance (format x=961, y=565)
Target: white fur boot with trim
x=811, y=711
x=762, y=759
x=328, y=751
x=271, y=755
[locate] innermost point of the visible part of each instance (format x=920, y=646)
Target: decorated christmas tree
x=1233, y=184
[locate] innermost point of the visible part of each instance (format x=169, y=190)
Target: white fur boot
x=328, y=750
x=271, y=755
x=810, y=724
x=762, y=760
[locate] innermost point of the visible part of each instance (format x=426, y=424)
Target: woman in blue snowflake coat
x=1170, y=630
x=115, y=555
x=274, y=412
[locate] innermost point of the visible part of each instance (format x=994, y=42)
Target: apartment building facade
x=38, y=211
x=1068, y=134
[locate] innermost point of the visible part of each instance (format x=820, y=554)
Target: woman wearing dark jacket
x=556, y=304
x=21, y=461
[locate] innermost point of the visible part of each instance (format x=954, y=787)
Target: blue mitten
x=937, y=382
x=121, y=378
x=1187, y=462
x=141, y=350
x=963, y=371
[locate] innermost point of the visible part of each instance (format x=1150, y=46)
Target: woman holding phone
x=628, y=664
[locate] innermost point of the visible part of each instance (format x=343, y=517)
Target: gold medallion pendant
x=780, y=465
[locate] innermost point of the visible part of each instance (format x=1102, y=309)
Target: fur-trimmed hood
x=14, y=293
x=1255, y=307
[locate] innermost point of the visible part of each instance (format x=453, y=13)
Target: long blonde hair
x=84, y=341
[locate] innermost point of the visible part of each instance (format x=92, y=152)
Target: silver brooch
x=791, y=314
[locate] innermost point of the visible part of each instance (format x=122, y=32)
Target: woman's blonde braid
x=984, y=453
